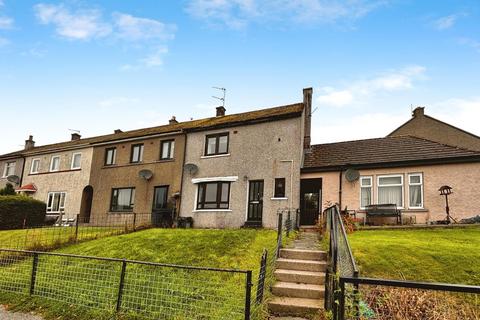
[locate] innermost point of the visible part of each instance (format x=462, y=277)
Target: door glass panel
x=311, y=201
x=160, y=200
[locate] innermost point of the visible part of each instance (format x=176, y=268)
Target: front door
x=159, y=208
x=255, y=201
x=310, y=201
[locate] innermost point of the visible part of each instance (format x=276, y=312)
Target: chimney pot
x=29, y=144
x=76, y=136
x=418, y=112
x=221, y=111
x=117, y=131
x=173, y=120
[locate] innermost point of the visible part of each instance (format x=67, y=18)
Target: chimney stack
x=418, y=112
x=75, y=136
x=221, y=111
x=173, y=120
x=117, y=131
x=307, y=105
x=29, y=144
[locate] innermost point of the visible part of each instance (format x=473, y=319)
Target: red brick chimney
x=76, y=136
x=173, y=120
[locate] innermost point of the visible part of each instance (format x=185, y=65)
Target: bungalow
x=405, y=170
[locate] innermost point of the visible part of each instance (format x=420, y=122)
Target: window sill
x=212, y=210
x=120, y=212
x=278, y=199
x=166, y=160
x=215, y=156
x=50, y=172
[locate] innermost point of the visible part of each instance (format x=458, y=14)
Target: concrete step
x=302, y=254
x=303, y=265
x=294, y=306
x=298, y=276
x=298, y=290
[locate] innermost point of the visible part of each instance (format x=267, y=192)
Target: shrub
x=17, y=210
x=9, y=190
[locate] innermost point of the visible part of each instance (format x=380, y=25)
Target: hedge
x=15, y=210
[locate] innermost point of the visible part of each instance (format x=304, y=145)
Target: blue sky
x=96, y=66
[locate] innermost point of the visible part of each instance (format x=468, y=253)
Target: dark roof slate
x=382, y=151
x=263, y=115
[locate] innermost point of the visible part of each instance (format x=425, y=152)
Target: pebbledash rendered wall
x=263, y=151
x=65, y=180
x=463, y=178
x=18, y=170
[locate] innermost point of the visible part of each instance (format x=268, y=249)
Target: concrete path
x=300, y=275
x=7, y=315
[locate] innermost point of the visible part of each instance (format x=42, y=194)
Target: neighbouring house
x=57, y=174
x=403, y=170
x=240, y=169
x=11, y=165
x=424, y=126
x=136, y=171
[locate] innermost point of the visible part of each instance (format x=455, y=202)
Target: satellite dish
x=191, y=168
x=352, y=175
x=14, y=179
x=145, y=174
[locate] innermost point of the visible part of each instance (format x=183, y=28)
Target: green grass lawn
x=52, y=237
x=449, y=255
x=149, y=292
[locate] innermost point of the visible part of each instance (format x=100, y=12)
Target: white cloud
x=356, y=127
x=237, y=14
x=395, y=80
x=133, y=28
x=118, y=101
x=472, y=43
x=79, y=25
x=6, y=23
x=447, y=22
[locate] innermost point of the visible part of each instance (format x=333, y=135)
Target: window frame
x=50, y=205
x=171, y=149
x=140, y=153
x=132, y=200
x=392, y=185
x=417, y=174
x=275, y=194
x=73, y=161
x=38, y=166
x=114, y=156
x=7, y=168
x=51, y=163
x=200, y=203
x=217, y=137
x=362, y=187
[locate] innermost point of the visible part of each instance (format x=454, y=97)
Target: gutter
x=171, y=133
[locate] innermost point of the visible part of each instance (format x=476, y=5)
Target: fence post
x=341, y=306
x=261, y=277
x=121, y=285
x=279, y=225
x=76, y=228
x=288, y=223
x=134, y=221
x=34, y=273
x=248, y=294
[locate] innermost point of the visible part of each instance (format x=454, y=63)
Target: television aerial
x=221, y=98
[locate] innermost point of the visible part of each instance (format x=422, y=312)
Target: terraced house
x=224, y=171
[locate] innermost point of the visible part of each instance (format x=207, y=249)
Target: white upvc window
x=9, y=169
x=366, y=191
x=415, y=191
x=56, y=202
x=55, y=163
x=390, y=190
x=35, y=168
x=76, y=161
